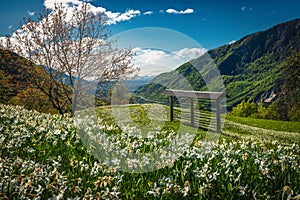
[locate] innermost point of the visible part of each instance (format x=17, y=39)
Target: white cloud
x=113, y=17
x=31, y=13
x=186, y=11
x=153, y=62
x=148, y=13
x=170, y=11
x=50, y=3
x=244, y=8
x=118, y=17
x=190, y=53
x=231, y=42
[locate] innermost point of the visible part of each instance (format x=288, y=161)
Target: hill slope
x=14, y=75
x=250, y=67
x=17, y=82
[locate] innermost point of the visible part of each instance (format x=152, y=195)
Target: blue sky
x=212, y=23
x=182, y=29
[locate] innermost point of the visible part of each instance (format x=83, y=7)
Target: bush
x=249, y=109
x=244, y=109
x=270, y=112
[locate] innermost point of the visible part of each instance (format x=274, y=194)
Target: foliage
x=271, y=112
x=42, y=157
x=250, y=109
x=244, y=109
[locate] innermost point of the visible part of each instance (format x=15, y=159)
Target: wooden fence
x=216, y=96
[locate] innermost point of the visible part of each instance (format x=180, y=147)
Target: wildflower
x=76, y=189
x=243, y=189
x=245, y=156
x=202, y=190
x=187, y=188
x=103, y=181
x=282, y=167
x=287, y=193
x=297, y=197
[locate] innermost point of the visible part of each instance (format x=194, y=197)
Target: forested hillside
x=252, y=67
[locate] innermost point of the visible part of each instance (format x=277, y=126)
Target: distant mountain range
x=250, y=67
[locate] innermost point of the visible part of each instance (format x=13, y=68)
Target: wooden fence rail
x=216, y=96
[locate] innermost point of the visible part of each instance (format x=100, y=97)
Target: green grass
x=234, y=127
x=144, y=116
x=286, y=126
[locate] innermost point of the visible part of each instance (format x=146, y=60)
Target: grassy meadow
x=42, y=157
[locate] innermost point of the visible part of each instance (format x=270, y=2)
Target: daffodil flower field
x=43, y=157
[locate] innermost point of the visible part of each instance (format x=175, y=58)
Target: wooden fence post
x=192, y=112
x=171, y=109
x=218, y=116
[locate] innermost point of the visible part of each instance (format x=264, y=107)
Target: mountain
x=251, y=67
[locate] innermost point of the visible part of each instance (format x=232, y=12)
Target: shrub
x=249, y=109
x=244, y=109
